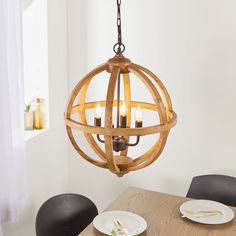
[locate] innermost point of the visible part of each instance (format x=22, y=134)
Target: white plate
x=207, y=205
x=134, y=223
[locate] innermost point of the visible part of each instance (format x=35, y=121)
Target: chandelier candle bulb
x=98, y=115
x=139, y=117
x=139, y=114
x=123, y=117
x=98, y=111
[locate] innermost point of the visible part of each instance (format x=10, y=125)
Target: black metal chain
x=119, y=22
x=119, y=47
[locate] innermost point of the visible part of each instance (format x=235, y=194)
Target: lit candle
x=98, y=115
x=139, y=117
x=123, y=117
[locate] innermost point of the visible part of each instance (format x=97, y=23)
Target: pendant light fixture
x=110, y=135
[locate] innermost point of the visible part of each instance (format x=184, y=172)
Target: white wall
x=47, y=153
x=191, y=46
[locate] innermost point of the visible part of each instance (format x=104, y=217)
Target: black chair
x=65, y=215
x=218, y=188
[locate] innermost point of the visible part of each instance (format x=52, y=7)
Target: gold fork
x=201, y=213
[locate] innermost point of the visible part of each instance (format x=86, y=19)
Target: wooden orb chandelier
x=111, y=141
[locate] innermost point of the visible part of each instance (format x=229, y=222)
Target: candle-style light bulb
x=139, y=117
x=123, y=117
x=139, y=114
x=98, y=115
x=98, y=111
x=123, y=109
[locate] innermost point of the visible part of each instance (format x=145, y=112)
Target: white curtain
x=12, y=163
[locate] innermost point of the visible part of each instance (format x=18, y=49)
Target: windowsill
x=29, y=134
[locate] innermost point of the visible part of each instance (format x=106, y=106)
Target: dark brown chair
x=65, y=215
x=218, y=188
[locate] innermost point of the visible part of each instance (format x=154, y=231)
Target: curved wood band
x=120, y=131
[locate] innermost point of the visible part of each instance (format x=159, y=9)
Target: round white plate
x=134, y=223
x=207, y=205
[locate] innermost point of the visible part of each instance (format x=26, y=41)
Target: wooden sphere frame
x=121, y=164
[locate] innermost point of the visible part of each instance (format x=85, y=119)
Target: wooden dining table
x=161, y=211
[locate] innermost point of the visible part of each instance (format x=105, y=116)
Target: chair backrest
x=218, y=188
x=65, y=215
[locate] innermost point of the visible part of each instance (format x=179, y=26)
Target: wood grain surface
x=161, y=211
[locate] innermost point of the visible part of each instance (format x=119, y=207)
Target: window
x=35, y=50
